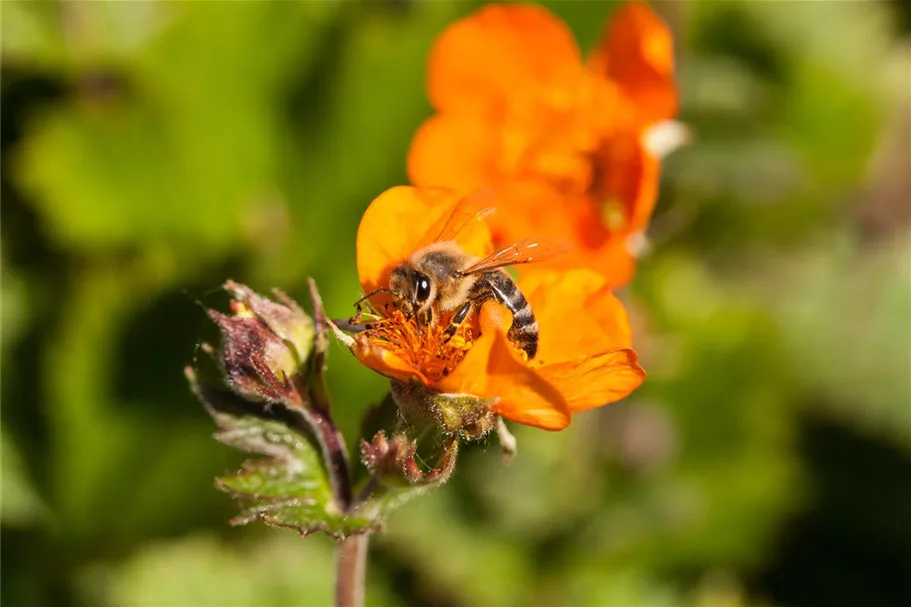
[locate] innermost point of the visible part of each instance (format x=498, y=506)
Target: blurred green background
x=152, y=150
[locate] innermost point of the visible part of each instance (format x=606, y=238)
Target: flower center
x=427, y=348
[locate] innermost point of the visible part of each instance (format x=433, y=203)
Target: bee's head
x=412, y=288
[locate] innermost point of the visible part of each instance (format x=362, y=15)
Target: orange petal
x=399, y=222
x=637, y=52
x=613, y=261
x=593, y=381
x=481, y=60
x=629, y=178
x=577, y=314
x=385, y=362
x=533, y=210
x=633, y=179
x=493, y=368
x=452, y=151
x=629, y=184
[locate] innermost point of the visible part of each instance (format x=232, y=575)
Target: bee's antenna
x=372, y=293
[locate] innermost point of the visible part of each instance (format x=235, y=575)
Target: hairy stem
x=331, y=441
x=351, y=566
x=335, y=454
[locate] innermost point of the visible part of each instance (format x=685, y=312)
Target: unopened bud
x=265, y=345
x=394, y=461
x=385, y=458
x=284, y=318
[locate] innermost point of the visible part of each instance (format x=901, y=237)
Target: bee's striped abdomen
x=524, y=329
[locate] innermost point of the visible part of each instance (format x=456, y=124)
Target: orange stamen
x=428, y=349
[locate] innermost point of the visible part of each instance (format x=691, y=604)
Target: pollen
x=427, y=348
x=240, y=309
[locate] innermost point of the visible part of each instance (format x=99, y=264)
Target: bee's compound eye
x=421, y=288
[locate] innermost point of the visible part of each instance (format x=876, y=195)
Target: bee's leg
x=351, y=325
x=424, y=319
x=434, y=316
x=457, y=320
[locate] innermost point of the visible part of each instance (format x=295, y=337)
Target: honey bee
x=441, y=277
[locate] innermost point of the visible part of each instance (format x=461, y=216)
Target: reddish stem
x=351, y=566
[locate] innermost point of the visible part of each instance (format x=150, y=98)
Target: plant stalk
x=351, y=567
x=319, y=414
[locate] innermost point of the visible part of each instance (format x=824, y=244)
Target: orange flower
x=562, y=142
x=584, y=359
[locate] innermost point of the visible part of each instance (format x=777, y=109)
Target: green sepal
x=466, y=415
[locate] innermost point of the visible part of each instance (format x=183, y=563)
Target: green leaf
x=284, y=494
x=291, y=487
x=182, y=142
x=21, y=504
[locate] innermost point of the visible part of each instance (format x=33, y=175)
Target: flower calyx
x=467, y=416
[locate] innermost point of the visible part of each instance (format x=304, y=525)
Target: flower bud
x=285, y=319
x=467, y=415
x=394, y=461
x=265, y=345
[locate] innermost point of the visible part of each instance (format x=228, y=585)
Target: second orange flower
x=560, y=140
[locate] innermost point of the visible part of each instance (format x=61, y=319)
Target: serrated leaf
x=274, y=480
x=289, y=488
x=281, y=494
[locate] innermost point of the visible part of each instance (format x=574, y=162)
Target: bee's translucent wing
x=530, y=250
x=466, y=213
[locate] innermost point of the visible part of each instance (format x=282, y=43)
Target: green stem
x=351, y=567
x=366, y=491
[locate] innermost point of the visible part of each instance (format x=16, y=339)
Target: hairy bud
x=393, y=460
x=265, y=345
